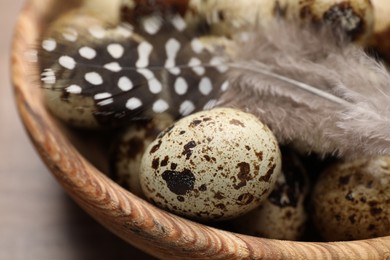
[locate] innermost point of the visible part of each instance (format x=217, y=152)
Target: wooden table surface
x=37, y=219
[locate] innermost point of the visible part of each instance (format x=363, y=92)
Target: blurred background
x=37, y=219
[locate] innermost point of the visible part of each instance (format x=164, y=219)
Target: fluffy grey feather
x=347, y=114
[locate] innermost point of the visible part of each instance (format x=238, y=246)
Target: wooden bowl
x=139, y=223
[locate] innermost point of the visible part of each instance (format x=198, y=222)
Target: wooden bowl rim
x=144, y=226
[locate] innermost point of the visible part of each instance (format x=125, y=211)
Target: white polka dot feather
x=133, y=71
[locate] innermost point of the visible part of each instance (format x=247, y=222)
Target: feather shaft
x=313, y=89
x=291, y=81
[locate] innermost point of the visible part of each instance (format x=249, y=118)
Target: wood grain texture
x=38, y=220
x=134, y=220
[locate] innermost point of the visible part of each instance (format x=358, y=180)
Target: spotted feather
x=131, y=72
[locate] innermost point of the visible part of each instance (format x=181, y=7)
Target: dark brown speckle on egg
x=179, y=183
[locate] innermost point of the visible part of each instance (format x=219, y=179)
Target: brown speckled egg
x=354, y=18
x=282, y=215
x=352, y=200
x=212, y=165
x=128, y=150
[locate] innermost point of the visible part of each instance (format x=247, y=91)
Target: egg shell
x=283, y=214
x=355, y=18
x=212, y=165
x=351, y=200
x=76, y=111
x=128, y=150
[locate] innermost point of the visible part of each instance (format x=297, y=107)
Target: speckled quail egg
x=128, y=150
x=351, y=200
x=211, y=165
x=282, y=215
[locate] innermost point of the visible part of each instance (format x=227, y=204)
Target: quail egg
x=212, y=165
x=351, y=200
